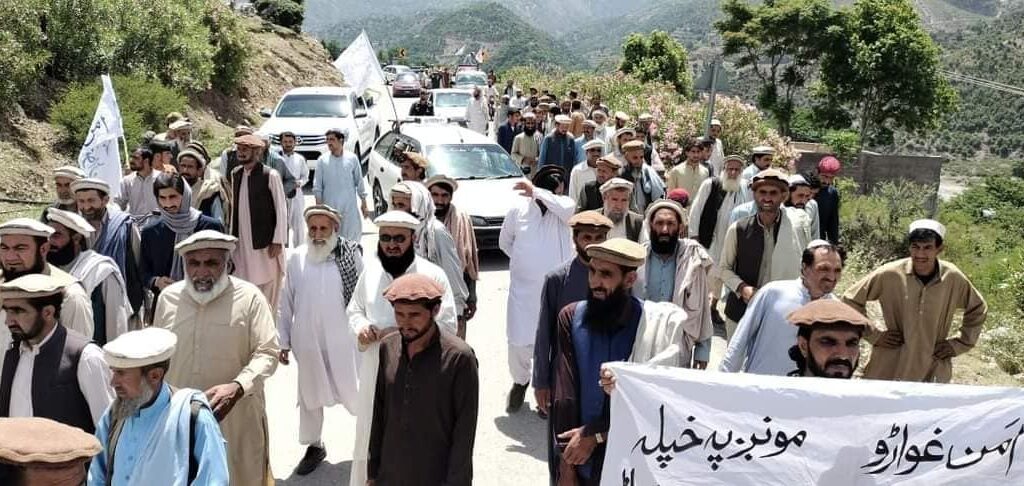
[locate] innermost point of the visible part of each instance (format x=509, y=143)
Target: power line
x=1005, y=88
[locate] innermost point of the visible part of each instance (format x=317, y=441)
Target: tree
x=885, y=71
x=657, y=57
x=781, y=41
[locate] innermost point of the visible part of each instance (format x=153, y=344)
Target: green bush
x=286, y=13
x=876, y=225
x=844, y=143
x=22, y=55
x=230, y=43
x=1003, y=340
x=143, y=102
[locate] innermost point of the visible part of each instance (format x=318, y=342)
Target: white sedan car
x=484, y=171
x=450, y=103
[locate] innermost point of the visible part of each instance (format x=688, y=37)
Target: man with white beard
x=146, y=433
x=617, y=194
x=710, y=213
x=320, y=279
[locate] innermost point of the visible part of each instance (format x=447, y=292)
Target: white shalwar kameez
x=535, y=243
x=369, y=307
x=312, y=323
x=296, y=165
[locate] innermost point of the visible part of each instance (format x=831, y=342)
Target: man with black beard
x=526, y=145
x=62, y=179
x=372, y=317
x=134, y=431
x=97, y=273
x=828, y=339
x=442, y=188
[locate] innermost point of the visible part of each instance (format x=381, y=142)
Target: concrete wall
x=871, y=169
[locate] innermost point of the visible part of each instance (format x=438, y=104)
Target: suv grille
x=302, y=139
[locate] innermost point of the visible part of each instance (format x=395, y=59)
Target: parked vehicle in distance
x=450, y=103
x=309, y=112
x=406, y=84
x=392, y=70
x=469, y=79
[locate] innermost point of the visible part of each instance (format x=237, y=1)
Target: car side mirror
x=265, y=113
x=360, y=113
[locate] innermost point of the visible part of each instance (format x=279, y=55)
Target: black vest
x=709, y=218
x=262, y=216
x=749, y=251
x=56, y=393
x=591, y=200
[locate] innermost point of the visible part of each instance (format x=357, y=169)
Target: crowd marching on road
x=145, y=327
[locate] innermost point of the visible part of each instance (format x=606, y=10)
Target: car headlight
x=478, y=221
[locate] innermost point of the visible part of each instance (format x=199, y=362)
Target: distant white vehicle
x=469, y=79
x=451, y=103
x=391, y=71
x=310, y=112
x=484, y=171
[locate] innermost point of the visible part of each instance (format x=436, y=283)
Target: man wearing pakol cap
x=116, y=236
x=535, y=236
x=180, y=132
x=62, y=179
x=647, y=184
x=136, y=196
x=433, y=241
x=154, y=432
x=760, y=159
x=609, y=325
x=919, y=297
x=98, y=274
x=760, y=248
x=338, y=183
x=49, y=372
x=24, y=246
x=562, y=286
x=616, y=195
x=690, y=174
x=427, y=395
x=295, y=165
x=526, y=145
x=319, y=282
x=676, y=270
x=478, y=112
x=508, y=131
x=763, y=337
x=413, y=166
x=559, y=148
x=828, y=199
x=621, y=120
x=797, y=205
x=209, y=188
x=619, y=138
x=585, y=171
x=229, y=157
x=42, y=452
x=372, y=317
x=605, y=169
x=227, y=346
x=828, y=339
x=259, y=219
x=460, y=227
x=178, y=220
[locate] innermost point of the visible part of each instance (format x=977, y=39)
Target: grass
x=965, y=170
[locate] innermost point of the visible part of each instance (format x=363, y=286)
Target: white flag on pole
x=358, y=63
x=100, y=157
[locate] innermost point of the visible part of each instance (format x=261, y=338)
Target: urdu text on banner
x=674, y=426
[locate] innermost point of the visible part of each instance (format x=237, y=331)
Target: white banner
x=685, y=427
x=100, y=156
x=358, y=63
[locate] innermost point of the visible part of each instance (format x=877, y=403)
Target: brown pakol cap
x=620, y=251
x=828, y=311
x=413, y=286
x=590, y=218
x=44, y=442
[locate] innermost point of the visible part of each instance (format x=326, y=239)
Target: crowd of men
x=153, y=319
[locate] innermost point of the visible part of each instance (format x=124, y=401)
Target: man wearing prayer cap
x=478, y=112
x=24, y=246
x=428, y=389
x=42, y=452
x=690, y=174
x=760, y=159
x=48, y=372
x=616, y=195
x=800, y=207
x=152, y=430
x=828, y=339
x=760, y=248
x=535, y=236
x=259, y=219
x=319, y=282
x=559, y=147
x=828, y=199
x=98, y=274
x=372, y=316
x=585, y=171
x=227, y=346
x=605, y=168
x=919, y=297
x=763, y=337
x=716, y=158
x=62, y=179
x=618, y=138
x=587, y=134
x=526, y=145
x=647, y=183
x=338, y=183
x=460, y=227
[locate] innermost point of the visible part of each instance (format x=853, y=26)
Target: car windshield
x=452, y=100
x=402, y=69
x=314, y=106
x=408, y=77
x=471, y=78
x=471, y=162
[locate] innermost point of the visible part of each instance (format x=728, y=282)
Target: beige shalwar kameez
x=256, y=266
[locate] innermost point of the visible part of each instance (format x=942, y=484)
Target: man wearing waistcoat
x=760, y=248
x=49, y=372
x=259, y=219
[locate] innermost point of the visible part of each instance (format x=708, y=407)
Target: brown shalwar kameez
x=425, y=411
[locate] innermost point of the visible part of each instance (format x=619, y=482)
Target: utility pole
x=711, y=96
